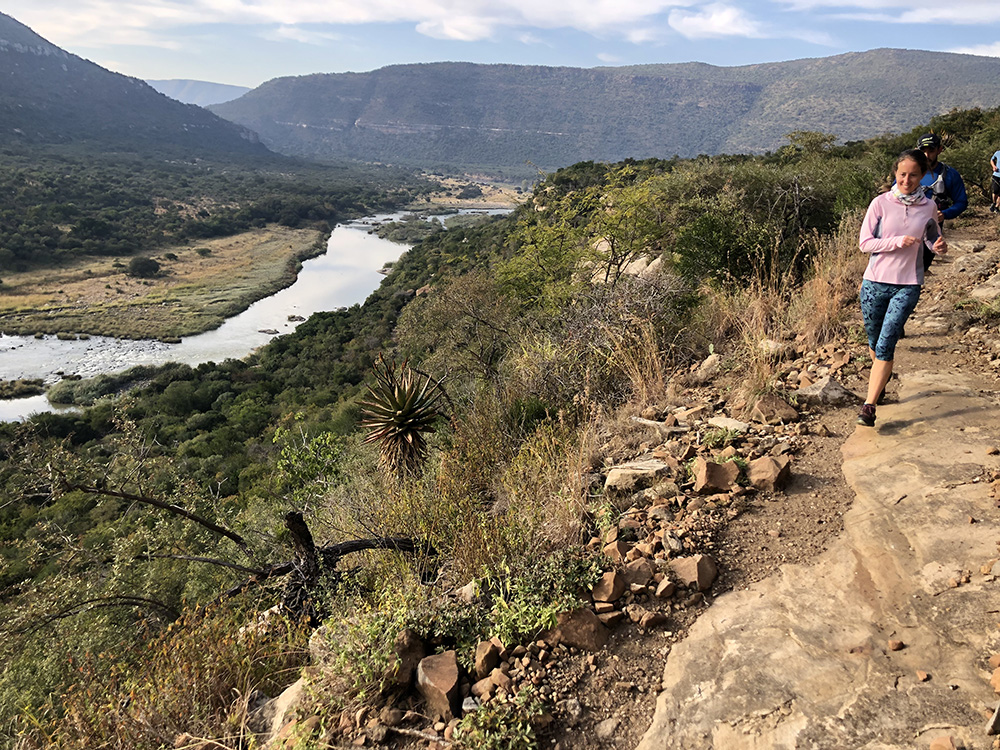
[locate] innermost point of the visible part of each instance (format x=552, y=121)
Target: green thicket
x=532, y=327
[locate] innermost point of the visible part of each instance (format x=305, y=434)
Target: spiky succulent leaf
x=400, y=406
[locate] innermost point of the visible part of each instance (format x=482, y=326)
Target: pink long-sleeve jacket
x=886, y=223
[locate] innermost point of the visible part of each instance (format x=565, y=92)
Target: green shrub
x=719, y=437
x=143, y=268
x=526, y=602
x=502, y=724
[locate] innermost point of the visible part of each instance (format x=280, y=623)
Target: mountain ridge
x=201, y=93
x=51, y=96
x=505, y=115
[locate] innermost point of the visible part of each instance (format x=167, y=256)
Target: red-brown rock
x=437, y=681
x=769, y=473
x=772, y=409
x=665, y=589
x=611, y=619
x=711, y=477
x=639, y=572
x=943, y=743
x=407, y=652
x=652, y=620
x=580, y=628
x=487, y=657
x=610, y=587
x=616, y=551
x=698, y=571
x=501, y=679
x=484, y=688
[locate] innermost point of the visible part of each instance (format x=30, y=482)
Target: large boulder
x=769, y=473
x=772, y=409
x=580, y=628
x=711, y=478
x=437, y=681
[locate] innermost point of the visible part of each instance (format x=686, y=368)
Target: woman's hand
x=905, y=241
x=940, y=246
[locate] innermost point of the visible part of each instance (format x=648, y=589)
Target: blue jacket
x=945, y=185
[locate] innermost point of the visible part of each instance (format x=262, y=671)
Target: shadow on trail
x=894, y=426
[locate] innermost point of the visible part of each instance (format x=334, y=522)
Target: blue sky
x=246, y=42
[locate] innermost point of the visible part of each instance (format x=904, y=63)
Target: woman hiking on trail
x=897, y=227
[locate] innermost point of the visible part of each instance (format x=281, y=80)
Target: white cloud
x=646, y=34
x=714, y=21
x=458, y=28
x=297, y=34
x=608, y=58
x=92, y=22
x=958, y=12
x=986, y=50
x=531, y=39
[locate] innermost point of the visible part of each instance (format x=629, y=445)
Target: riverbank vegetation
x=72, y=219
x=533, y=338
x=193, y=288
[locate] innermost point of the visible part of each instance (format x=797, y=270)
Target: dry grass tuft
x=820, y=308
x=197, y=676
x=779, y=307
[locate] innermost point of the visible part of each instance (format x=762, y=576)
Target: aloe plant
x=401, y=407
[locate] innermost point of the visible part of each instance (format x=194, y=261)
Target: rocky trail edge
x=889, y=638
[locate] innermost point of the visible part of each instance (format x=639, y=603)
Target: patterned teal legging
x=885, y=308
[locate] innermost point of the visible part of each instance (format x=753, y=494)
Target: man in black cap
x=941, y=183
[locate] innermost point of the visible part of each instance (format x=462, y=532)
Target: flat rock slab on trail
x=803, y=659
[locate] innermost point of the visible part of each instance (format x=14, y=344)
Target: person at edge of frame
x=995, y=183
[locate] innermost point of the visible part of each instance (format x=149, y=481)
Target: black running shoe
x=867, y=415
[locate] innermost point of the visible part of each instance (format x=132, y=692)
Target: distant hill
x=202, y=93
x=508, y=115
x=48, y=95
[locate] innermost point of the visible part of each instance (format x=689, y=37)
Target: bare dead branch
x=305, y=568
x=103, y=602
x=208, y=560
x=329, y=556
x=175, y=509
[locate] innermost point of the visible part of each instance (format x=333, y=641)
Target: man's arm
x=955, y=186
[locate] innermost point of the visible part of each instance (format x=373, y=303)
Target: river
x=342, y=276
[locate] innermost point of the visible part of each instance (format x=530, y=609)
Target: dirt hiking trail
x=884, y=639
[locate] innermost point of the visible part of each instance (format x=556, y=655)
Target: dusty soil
x=198, y=286
x=607, y=700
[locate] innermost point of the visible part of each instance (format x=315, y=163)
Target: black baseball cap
x=929, y=140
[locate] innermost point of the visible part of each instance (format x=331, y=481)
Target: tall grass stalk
x=636, y=352
x=196, y=677
x=825, y=302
